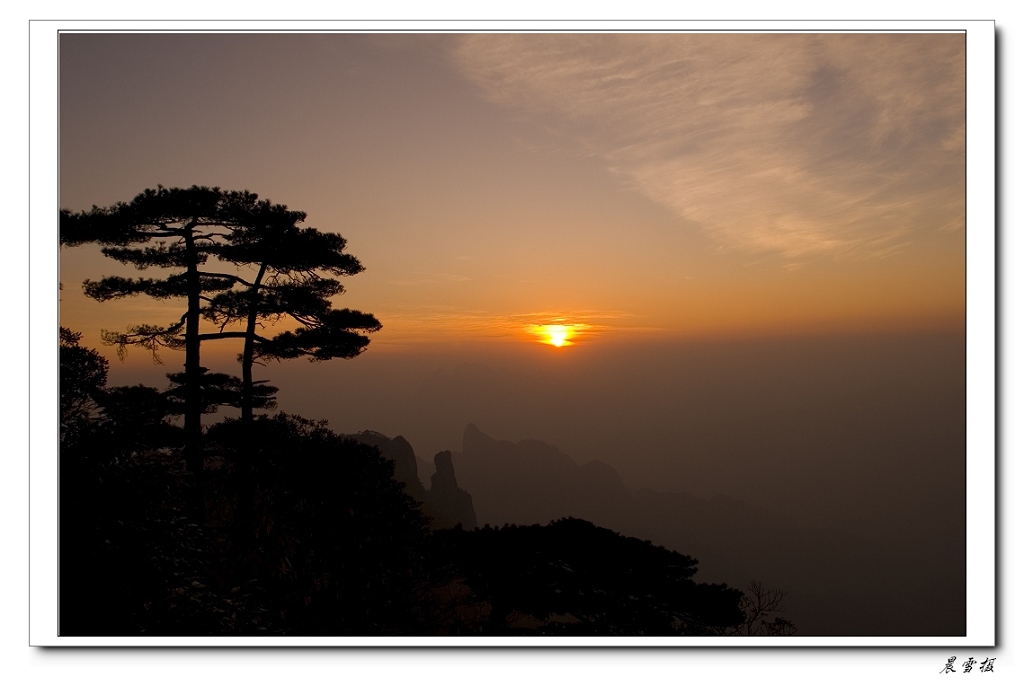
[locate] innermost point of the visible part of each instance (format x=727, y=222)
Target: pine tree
x=293, y=280
x=177, y=229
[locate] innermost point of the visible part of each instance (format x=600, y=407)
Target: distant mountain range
x=838, y=583
x=444, y=502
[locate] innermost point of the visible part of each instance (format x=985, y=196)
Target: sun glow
x=558, y=335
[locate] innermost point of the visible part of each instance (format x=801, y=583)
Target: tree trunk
x=247, y=350
x=193, y=371
x=248, y=453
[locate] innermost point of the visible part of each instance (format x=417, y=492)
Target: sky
x=756, y=241
x=638, y=185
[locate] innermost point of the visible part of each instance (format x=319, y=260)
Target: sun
x=557, y=335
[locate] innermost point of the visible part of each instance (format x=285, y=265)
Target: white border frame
x=981, y=342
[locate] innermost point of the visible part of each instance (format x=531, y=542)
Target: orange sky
x=670, y=185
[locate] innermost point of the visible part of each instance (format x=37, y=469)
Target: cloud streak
x=800, y=145
x=441, y=322
x=423, y=278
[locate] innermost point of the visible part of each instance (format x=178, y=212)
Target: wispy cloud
x=421, y=278
x=443, y=321
x=795, y=144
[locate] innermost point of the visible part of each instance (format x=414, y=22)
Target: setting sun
x=558, y=335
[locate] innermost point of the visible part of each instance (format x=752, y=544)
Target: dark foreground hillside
x=320, y=539
x=310, y=534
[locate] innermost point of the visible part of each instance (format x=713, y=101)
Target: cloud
x=440, y=321
x=797, y=144
x=422, y=278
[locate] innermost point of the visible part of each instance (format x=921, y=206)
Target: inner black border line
x=581, y=31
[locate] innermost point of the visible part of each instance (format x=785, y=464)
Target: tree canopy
x=294, y=270
x=194, y=232
x=83, y=374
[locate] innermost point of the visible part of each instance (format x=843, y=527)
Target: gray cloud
x=801, y=145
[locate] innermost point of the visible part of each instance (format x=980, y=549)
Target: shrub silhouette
x=572, y=577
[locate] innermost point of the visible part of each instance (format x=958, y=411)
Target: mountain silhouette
x=532, y=482
x=838, y=581
x=444, y=503
x=453, y=505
